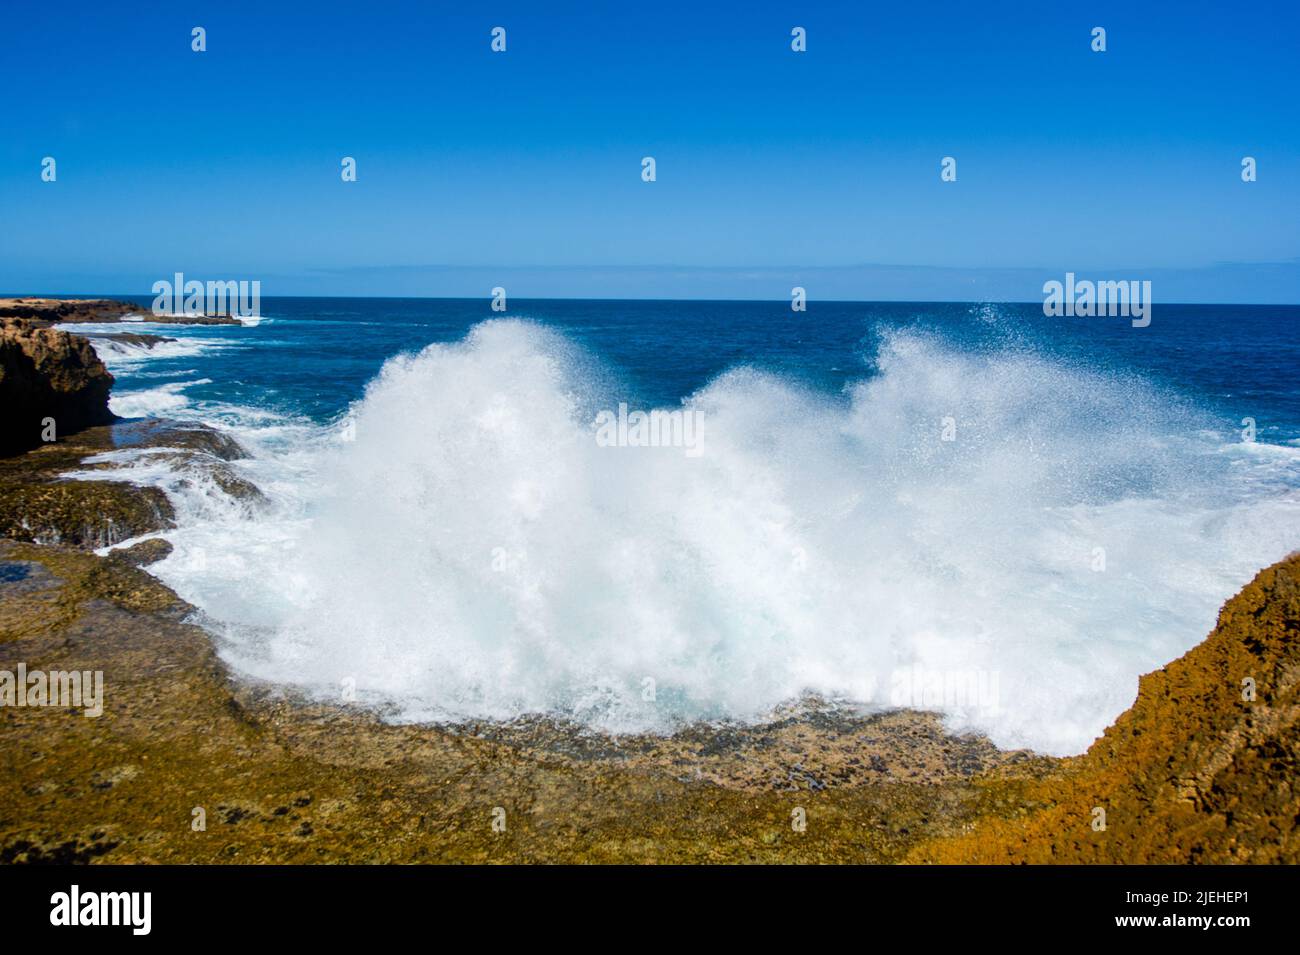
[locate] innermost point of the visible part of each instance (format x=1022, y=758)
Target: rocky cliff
x=49, y=311
x=1205, y=766
x=51, y=383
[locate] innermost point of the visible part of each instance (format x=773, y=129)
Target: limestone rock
x=48, y=375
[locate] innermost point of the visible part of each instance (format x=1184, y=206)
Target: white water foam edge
x=471, y=552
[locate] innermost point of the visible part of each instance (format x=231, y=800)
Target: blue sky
x=774, y=168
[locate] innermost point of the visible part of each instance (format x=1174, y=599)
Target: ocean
x=888, y=503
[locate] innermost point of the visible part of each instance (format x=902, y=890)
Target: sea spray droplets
x=971, y=555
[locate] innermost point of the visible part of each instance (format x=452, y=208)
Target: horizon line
x=598, y=298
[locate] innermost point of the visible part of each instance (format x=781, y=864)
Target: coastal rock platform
x=1191, y=773
x=190, y=762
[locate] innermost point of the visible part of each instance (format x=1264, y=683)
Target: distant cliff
x=87, y=310
x=67, y=310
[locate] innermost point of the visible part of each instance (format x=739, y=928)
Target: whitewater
x=458, y=546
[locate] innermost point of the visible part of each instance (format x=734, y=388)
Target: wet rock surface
x=143, y=554
x=1190, y=773
x=190, y=763
x=38, y=503
x=132, y=338
x=284, y=779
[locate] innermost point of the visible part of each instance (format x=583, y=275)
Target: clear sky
x=774, y=168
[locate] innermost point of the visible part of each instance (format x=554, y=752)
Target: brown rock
x=1196, y=771
x=82, y=310
x=87, y=514
x=142, y=554
x=67, y=309
x=132, y=338
x=1202, y=768
x=46, y=373
x=39, y=504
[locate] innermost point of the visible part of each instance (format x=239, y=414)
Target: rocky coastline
x=1194, y=771
x=52, y=383
x=50, y=311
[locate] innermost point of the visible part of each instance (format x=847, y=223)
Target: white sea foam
x=473, y=552
x=166, y=399
x=119, y=355
x=123, y=357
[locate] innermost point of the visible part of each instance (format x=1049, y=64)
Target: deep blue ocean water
x=316, y=355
